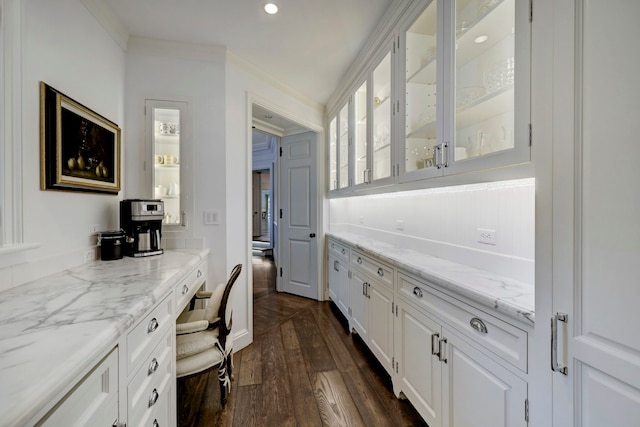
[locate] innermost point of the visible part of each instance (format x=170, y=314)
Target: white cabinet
x=93, y=402
x=458, y=365
x=170, y=158
x=449, y=94
x=339, y=291
x=372, y=305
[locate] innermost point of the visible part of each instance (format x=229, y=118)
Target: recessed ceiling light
x=480, y=39
x=271, y=8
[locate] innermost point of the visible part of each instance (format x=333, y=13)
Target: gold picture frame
x=80, y=150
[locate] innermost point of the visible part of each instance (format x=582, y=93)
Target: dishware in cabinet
x=169, y=150
x=465, y=74
x=339, y=148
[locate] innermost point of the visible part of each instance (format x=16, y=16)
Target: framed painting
x=79, y=149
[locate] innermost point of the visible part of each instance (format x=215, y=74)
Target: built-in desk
x=54, y=331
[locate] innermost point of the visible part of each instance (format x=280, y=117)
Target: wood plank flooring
x=303, y=369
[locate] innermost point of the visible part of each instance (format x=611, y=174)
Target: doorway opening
x=264, y=161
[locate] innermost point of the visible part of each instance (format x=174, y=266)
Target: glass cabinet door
x=421, y=86
x=381, y=119
x=360, y=135
x=333, y=154
x=492, y=57
x=343, y=147
x=167, y=147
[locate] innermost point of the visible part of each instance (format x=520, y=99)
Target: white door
x=298, y=215
x=359, y=304
x=596, y=221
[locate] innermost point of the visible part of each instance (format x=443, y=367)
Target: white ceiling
x=308, y=45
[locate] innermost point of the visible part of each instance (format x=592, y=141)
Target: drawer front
x=94, y=400
x=382, y=272
x=503, y=339
x=339, y=250
x=144, y=392
x=188, y=286
x=148, y=332
x=159, y=414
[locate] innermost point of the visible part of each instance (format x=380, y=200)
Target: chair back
x=225, y=312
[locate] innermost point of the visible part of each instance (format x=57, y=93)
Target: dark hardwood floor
x=303, y=369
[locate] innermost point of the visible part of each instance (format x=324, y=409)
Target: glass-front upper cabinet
x=422, y=82
x=361, y=146
x=166, y=130
x=343, y=147
x=491, y=68
x=333, y=154
x=381, y=126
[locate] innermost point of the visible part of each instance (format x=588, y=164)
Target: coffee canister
x=111, y=244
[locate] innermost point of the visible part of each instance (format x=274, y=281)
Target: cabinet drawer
x=149, y=377
x=148, y=332
x=94, y=401
x=188, y=286
x=339, y=250
x=382, y=272
x=503, y=339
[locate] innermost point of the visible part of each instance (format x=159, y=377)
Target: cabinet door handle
x=185, y=289
x=435, y=339
x=478, y=325
x=380, y=272
x=555, y=366
x=359, y=260
x=442, y=346
x=335, y=265
x=153, y=398
x=364, y=288
x=417, y=292
x=153, y=325
x=368, y=287
x=153, y=366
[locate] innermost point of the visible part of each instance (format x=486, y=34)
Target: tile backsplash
x=449, y=222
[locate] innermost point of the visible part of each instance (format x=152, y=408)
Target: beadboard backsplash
x=449, y=223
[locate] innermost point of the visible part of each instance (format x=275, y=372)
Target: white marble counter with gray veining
x=507, y=296
x=54, y=329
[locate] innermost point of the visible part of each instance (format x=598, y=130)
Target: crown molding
x=179, y=50
x=109, y=21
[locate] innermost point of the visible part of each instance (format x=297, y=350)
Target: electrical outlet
x=399, y=224
x=90, y=255
x=487, y=236
x=93, y=228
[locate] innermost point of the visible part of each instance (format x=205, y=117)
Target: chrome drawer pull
x=185, y=289
x=155, y=423
x=478, y=325
x=417, y=292
x=380, y=272
x=359, y=261
x=199, y=274
x=153, y=398
x=343, y=252
x=153, y=325
x=153, y=366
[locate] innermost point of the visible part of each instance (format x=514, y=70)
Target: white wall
x=64, y=46
x=242, y=86
x=195, y=74
x=444, y=222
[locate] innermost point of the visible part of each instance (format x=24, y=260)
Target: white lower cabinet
x=418, y=373
x=339, y=284
x=477, y=391
x=93, y=402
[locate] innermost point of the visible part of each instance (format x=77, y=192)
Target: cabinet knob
x=153, y=398
x=417, y=292
x=153, y=325
x=185, y=289
x=343, y=252
x=380, y=272
x=359, y=260
x=155, y=423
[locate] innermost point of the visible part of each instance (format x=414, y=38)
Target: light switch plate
x=211, y=217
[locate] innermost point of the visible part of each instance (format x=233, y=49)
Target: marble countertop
x=55, y=328
x=507, y=296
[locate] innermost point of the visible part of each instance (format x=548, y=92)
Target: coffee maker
x=141, y=221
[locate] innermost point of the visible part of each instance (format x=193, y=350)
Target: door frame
x=322, y=205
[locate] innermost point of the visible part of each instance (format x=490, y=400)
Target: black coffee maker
x=141, y=221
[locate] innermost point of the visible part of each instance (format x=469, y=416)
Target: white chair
x=203, y=336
